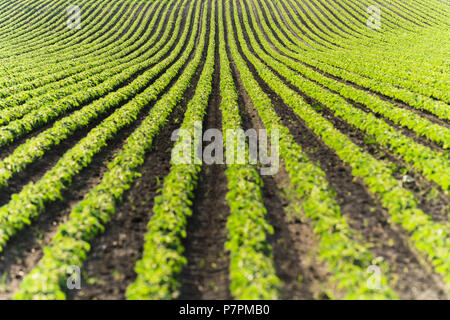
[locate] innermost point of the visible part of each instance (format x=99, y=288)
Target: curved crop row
x=70, y=65
x=35, y=147
x=406, y=118
x=334, y=64
x=93, y=18
x=162, y=258
x=363, y=43
x=99, y=44
x=43, y=89
x=96, y=37
x=18, y=94
x=37, y=32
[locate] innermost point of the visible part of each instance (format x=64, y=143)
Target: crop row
x=97, y=46
x=29, y=16
x=69, y=66
x=25, y=46
x=36, y=147
x=162, y=258
x=94, y=74
x=25, y=91
x=369, y=37
x=404, y=117
x=252, y=270
x=360, y=41
x=98, y=39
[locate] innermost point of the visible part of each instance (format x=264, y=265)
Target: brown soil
x=109, y=268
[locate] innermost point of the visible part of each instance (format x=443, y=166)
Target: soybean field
x=332, y=184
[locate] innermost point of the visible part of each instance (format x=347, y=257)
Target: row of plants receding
x=28, y=43
x=162, y=258
x=21, y=17
x=356, y=48
x=252, y=270
x=36, y=147
x=75, y=56
x=361, y=59
x=53, y=92
x=380, y=82
x=350, y=69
